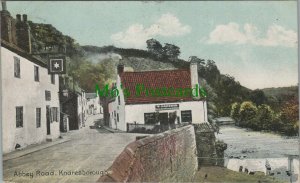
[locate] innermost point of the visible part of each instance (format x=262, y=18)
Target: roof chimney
x=194, y=73
x=18, y=16
x=120, y=68
x=23, y=34
x=4, y=7
x=24, y=17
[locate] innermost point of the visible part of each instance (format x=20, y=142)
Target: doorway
x=48, y=119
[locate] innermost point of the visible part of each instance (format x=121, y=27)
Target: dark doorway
x=48, y=119
x=163, y=118
x=164, y=121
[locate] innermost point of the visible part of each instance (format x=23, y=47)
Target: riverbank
x=254, y=144
x=252, y=150
x=221, y=174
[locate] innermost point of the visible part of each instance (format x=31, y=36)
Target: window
x=36, y=73
x=54, y=114
x=19, y=117
x=114, y=113
x=47, y=95
x=38, y=117
x=186, y=116
x=52, y=79
x=149, y=118
x=119, y=100
x=117, y=117
x=17, y=67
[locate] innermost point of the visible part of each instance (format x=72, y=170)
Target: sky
x=253, y=41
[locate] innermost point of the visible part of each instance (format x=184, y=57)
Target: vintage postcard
x=149, y=91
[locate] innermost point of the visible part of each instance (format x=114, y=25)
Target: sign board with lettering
x=166, y=107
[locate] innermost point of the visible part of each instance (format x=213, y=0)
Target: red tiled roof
x=156, y=79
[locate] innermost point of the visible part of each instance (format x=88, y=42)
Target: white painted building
x=142, y=109
x=93, y=104
x=28, y=94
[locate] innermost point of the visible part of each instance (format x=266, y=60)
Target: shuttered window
x=19, y=117
x=52, y=79
x=38, y=117
x=17, y=67
x=149, y=118
x=54, y=114
x=47, y=95
x=36, y=73
x=186, y=116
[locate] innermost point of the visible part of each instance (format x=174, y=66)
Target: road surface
x=90, y=151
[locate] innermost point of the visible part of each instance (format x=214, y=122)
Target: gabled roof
x=156, y=79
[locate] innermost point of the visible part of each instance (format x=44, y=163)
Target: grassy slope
x=220, y=174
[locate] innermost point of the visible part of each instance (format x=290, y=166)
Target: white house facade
x=141, y=109
x=30, y=104
x=93, y=104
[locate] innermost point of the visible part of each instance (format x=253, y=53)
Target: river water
x=254, y=150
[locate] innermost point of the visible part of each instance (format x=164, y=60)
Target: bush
x=235, y=111
x=247, y=114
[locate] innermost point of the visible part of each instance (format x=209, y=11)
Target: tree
x=154, y=47
x=212, y=72
x=88, y=74
x=258, y=97
x=264, y=118
x=235, y=111
x=171, y=51
x=247, y=113
x=290, y=117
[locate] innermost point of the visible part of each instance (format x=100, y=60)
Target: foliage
x=247, y=113
x=264, y=118
x=258, y=97
x=290, y=116
x=171, y=51
x=235, y=111
x=47, y=39
x=155, y=47
x=88, y=73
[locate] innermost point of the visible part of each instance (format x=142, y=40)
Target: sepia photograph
x=149, y=91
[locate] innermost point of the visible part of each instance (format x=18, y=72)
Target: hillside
x=280, y=91
x=91, y=65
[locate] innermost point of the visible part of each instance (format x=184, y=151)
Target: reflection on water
x=251, y=152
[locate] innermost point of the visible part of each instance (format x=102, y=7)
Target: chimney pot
x=18, y=18
x=4, y=7
x=194, y=75
x=120, y=69
x=24, y=17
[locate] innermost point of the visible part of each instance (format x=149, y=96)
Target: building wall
x=26, y=92
x=114, y=107
x=93, y=102
x=166, y=157
x=135, y=113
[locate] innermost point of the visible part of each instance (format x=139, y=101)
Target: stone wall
x=166, y=157
x=205, y=140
